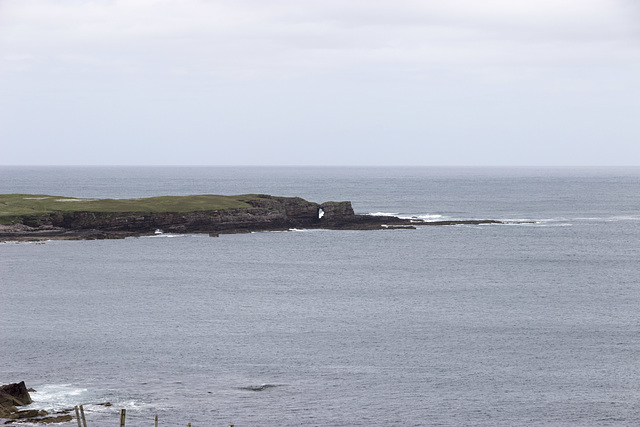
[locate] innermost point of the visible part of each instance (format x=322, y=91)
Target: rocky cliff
x=264, y=213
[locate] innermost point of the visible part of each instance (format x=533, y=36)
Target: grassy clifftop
x=15, y=206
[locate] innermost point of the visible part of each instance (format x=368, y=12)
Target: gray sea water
x=494, y=325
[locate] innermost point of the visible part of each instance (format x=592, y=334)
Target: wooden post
x=156, y=421
x=77, y=416
x=84, y=420
x=123, y=413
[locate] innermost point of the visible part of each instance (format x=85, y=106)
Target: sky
x=320, y=82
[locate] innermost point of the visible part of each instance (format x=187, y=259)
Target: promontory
x=33, y=217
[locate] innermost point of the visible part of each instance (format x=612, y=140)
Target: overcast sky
x=320, y=82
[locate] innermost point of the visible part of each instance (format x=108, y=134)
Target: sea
x=531, y=323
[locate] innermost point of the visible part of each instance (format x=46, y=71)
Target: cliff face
x=266, y=213
x=334, y=213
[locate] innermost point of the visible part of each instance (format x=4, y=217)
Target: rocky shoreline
x=17, y=394
x=266, y=213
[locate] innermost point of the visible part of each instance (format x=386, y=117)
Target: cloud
x=366, y=81
x=294, y=37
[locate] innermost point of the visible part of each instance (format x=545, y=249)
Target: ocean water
x=493, y=325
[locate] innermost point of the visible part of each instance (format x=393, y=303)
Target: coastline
x=77, y=220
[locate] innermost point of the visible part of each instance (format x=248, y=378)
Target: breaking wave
x=421, y=217
x=57, y=396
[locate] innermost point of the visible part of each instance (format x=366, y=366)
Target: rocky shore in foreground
x=260, y=213
x=17, y=394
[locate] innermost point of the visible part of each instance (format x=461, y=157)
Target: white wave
x=623, y=218
x=423, y=217
x=127, y=403
x=419, y=217
x=537, y=224
x=516, y=220
x=163, y=235
x=534, y=220
x=567, y=220
x=558, y=219
x=57, y=396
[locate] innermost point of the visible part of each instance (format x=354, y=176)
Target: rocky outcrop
x=264, y=214
x=12, y=396
x=334, y=213
x=15, y=394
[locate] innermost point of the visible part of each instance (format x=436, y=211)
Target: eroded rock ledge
x=17, y=394
x=265, y=213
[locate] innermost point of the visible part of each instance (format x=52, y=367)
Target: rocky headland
x=26, y=217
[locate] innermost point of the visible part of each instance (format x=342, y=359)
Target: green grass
x=14, y=206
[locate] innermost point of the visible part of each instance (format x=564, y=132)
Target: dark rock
x=335, y=213
x=29, y=413
x=15, y=394
x=45, y=420
x=262, y=387
x=6, y=411
x=58, y=419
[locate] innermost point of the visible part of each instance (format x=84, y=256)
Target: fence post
x=156, y=421
x=123, y=413
x=77, y=416
x=84, y=420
